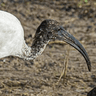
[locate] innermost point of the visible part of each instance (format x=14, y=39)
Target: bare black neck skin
x=38, y=47
x=40, y=41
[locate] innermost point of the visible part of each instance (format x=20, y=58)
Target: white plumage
x=11, y=36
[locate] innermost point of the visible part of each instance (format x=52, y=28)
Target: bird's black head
x=48, y=30
x=51, y=30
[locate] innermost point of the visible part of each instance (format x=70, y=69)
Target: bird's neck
x=36, y=49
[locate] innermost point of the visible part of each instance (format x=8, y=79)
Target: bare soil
x=40, y=78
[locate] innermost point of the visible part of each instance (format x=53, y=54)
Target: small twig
x=57, y=42
x=66, y=65
x=64, y=72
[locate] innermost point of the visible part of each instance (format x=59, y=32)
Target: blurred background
x=42, y=77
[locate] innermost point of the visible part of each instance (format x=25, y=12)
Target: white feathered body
x=11, y=35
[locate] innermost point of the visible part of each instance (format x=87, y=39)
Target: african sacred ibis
x=12, y=41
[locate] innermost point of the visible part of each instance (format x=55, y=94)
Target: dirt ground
x=41, y=77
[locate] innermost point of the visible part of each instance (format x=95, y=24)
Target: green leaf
x=86, y=1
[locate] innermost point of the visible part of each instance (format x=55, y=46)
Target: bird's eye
x=59, y=29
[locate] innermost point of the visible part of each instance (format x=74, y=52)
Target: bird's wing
x=11, y=33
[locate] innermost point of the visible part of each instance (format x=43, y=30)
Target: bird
x=12, y=41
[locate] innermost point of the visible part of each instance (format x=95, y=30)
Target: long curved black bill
x=68, y=38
